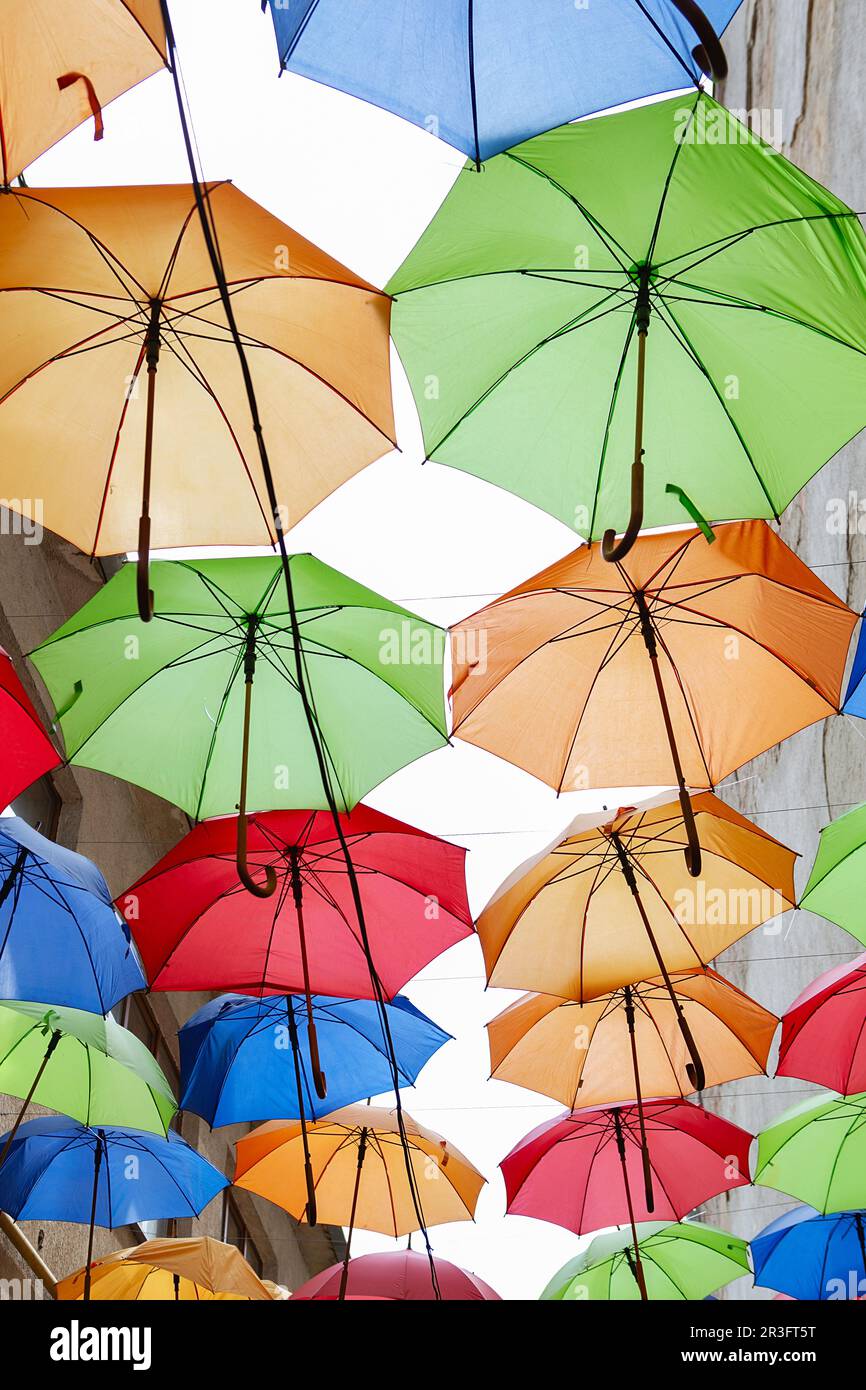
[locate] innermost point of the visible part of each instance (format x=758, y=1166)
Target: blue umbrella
x=243, y=1058
x=855, y=698
x=487, y=74
x=58, y=1170
x=61, y=940
x=812, y=1257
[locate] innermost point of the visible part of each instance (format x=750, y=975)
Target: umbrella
x=238, y=1061
x=835, y=886
x=658, y=282
x=177, y=718
x=61, y=66
x=681, y=1261
x=594, y=675
x=60, y=938
x=396, y=1276
x=57, y=1170
x=354, y=1162
x=817, y=1153
x=483, y=75
x=579, y=1169
x=82, y=1064
x=28, y=752
x=195, y=1269
x=105, y=285
x=809, y=1256
x=823, y=1031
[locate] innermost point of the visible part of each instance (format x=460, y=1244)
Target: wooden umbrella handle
x=709, y=54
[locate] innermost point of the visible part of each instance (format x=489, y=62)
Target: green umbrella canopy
x=817, y=1152
x=162, y=704
x=97, y=1072
x=515, y=319
x=835, y=887
x=680, y=1261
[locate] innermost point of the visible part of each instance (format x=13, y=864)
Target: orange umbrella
x=686, y=657
x=196, y=1269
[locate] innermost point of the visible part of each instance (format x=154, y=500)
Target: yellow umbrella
x=61, y=63
x=197, y=1269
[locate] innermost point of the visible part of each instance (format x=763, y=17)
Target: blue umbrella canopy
x=61, y=940
x=237, y=1060
x=812, y=1257
x=487, y=74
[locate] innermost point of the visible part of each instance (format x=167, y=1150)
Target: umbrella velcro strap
x=689, y=506
x=68, y=80
x=77, y=691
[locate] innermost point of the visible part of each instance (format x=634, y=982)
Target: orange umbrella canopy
x=556, y=675
x=270, y=1162
x=195, y=1269
x=568, y=924
x=59, y=63
x=98, y=285
x=581, y=1054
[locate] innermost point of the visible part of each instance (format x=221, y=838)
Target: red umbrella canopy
x=570, y=1170
x=398, y=1276
x=198, y=928
x=824, y=1031
x=28, y=752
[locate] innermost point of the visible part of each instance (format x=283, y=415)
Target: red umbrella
x=397, y=1276
x=28, y=752
x=824, y=1031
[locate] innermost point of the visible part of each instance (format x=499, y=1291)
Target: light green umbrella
x=817, y=1152
x=680, y=1261
x=658, y=281
x=835, y=887
x=82, y=1064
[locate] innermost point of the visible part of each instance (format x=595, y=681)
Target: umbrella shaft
x=362, y=1150
x=55, y=1039
x=97, y=1160
x=620, y=1145
x=647, y=1167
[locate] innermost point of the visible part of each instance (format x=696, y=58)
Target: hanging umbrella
x=808, y=1256
x=238, y=1056
x=105, y=285
x=593, y=675
x=28, y=753
x=396, y=1276
x=62, y=65
x=824, y=1031
x=584, y=1169
x=656, y=282
x=835, y=887
x=82, y=1064
x=57, y=1170
x=60, y=938
x=484, y=75
x=817, y=1153
x=683, y=1261
x=193, y=1269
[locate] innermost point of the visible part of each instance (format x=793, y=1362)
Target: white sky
x=363, y=185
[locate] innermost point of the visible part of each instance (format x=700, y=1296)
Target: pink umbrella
x=397, y=1276
x=824, y=1031
x=27, y=751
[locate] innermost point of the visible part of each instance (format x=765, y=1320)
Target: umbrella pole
x=268, y=888
x=647, y=1166
x=620, y=1147
x=612, y=550
x=344, y=1277
x=695, y=1068
x=55, y=1039
x=319, y=1081
x=97, y=1160
x=151, y=351
x=312, y=1210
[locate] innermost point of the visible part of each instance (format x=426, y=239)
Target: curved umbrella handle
x=312, y=1209
x=258, y=890
x=269, y=887
x=611, y=549
x=709, y=54
x=695, y=1068
x=692, y=850
x=144, y=593
x=319, y=1081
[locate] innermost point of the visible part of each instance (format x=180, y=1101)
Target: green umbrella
x=817, y=1152
x=680, y=1261
x=659, y=281
x=83, y=1065
x=203, y=701
x=835, y=887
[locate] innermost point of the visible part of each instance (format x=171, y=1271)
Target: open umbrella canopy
x=660, y=272
x=60, y=939
x=581, y=1054
x=96, y=1071
x=683, y=1261
x=61, y=65
x=184, y=912
x=168, y=711
x=237, y=1062
x=397, y=1276
x=817, y=1152
x=28, y=752
x=808, y=1256
x=190, y=1269
x=823, y=1032
x=484, y=75
x=835, y=886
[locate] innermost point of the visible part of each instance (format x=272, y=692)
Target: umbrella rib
x=238, y=662
x=666, y=41
x=103, y=251
x=724, y=243
x=679, y=147
x=606, y=236
x=617, y=382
